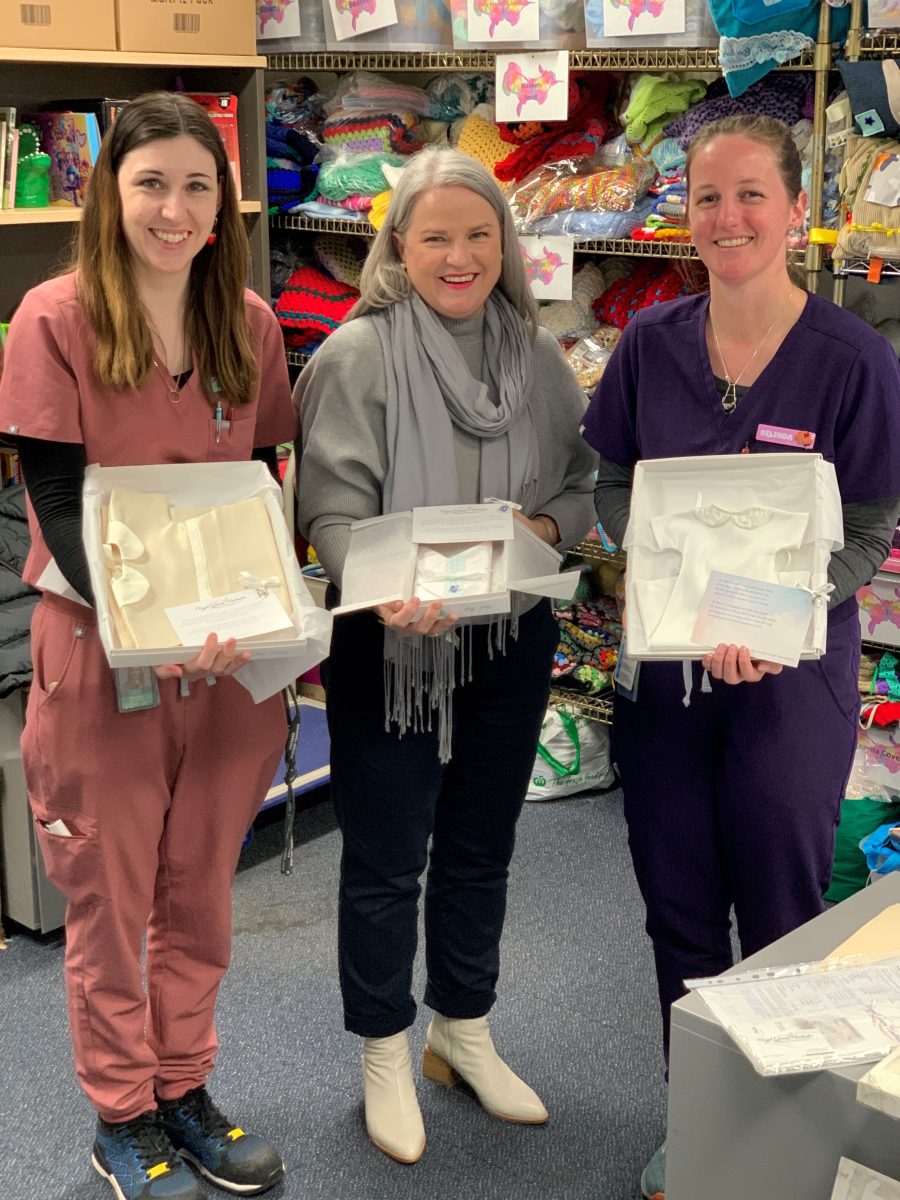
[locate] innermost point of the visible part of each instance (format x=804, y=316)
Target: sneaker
x=653, y=1178
x=239, y=1162
x=140, y=1162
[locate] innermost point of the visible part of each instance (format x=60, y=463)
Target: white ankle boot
x=462, y=1049
x=393, y=1118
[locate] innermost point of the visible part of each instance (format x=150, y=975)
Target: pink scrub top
x=48, y=391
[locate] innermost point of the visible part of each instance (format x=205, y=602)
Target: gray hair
x=384, y=280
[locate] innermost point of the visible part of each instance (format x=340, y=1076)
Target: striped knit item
x=382, y=133
x=312, y=306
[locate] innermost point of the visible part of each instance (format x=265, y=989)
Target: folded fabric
x=157, y=557
x=655, y=100
x=284, y=141
x=453, y=571
x=874, y=91
x=648, y=284
x=595, y=225
x=312, y=306
x=750, y=49
x=342, y=257
x=286, y=188
x=787, y=97
x=481, y=140
x=355, y=204
x=373, y=133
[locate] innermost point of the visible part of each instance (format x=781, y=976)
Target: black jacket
x=17, y=599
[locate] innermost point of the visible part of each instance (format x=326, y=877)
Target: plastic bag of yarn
x=342, y=174
x=581, y=184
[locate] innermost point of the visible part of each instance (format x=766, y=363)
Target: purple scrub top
x=833, y=376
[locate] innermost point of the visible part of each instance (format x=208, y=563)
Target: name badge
x=801, y=439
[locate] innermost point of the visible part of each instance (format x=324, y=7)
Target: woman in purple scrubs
x=733, y=799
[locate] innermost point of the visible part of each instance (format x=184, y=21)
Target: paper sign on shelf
x=503, y=21
x=548, y=266
x=532, y=87
x=353, y=17
x=637, y=18
x=277, y=19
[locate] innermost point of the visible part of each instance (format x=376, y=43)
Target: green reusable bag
x=858, y=819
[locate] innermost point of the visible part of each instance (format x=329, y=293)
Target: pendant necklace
x=173, y=387
x=730, y=399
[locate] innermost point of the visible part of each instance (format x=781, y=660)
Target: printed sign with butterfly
x=879, y=611
x=548, y=266
x=277, y=19
x=622, y=18
x=352, y=17
x=503, y=21
x=532, y=87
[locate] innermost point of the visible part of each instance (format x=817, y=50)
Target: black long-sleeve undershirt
x=54, y=475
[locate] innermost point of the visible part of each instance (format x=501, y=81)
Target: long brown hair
x=215, y=318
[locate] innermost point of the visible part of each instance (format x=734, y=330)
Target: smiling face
x=452, y=250
x=170, y=196
x=739, y=209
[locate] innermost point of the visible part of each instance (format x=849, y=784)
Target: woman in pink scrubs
x=150, y=351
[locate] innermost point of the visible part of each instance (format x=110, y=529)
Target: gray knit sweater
x=342, y=451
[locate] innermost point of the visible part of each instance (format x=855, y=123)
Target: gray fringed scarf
x=429, y=390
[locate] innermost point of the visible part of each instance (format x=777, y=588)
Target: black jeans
x=391, y=794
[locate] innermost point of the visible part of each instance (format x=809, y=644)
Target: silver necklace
x=730, y=399
x=173, y=387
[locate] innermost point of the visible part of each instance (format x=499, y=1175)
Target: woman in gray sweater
x=440, y=388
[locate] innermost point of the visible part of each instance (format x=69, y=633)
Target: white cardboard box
x=384, y=553
x=667, y=488
x=277, y=659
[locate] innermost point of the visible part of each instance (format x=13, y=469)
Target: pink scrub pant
x=158, y=803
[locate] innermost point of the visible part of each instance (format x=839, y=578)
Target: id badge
x=135, y=688
x=626, y=673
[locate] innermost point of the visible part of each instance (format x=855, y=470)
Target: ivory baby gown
x=754, y=538
x=158, y=556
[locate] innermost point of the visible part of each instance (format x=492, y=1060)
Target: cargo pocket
x=70, y=847
x=55, y=641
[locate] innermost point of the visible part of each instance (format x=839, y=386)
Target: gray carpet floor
x=576, y=1016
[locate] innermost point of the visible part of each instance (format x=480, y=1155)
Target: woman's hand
x=213, y=659
x=410, y=617
x=734, y=665
x=541, y=525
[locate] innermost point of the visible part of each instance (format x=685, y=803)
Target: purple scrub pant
x=156, y=804
x=734, y=801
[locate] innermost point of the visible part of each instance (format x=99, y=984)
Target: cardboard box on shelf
x=59, y=24
x=187, y=26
